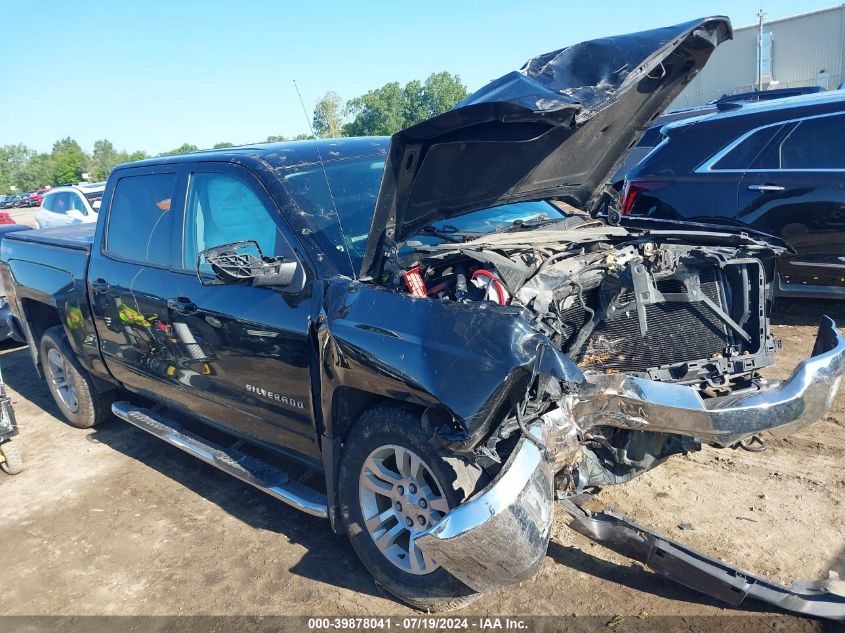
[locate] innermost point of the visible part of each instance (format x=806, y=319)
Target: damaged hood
x=557, y=128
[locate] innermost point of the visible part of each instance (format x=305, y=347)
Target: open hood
x=557, y=128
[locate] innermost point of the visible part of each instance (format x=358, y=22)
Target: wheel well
x=347, y=406
x=349, y=403
x=40, y=317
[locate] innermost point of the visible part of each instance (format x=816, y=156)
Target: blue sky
x=154, y=74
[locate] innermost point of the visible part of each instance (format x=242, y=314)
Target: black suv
x=775, y=167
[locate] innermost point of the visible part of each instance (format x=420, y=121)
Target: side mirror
x=75, y=214
x=243, y=262
x=96, y=205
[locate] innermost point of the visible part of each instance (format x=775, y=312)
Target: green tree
x=69, y=161
x=414, y=106
x=392, y=107
x=104, y=158
x=137, y=155
x=379, y=112
x=222, y=145
x=13, y=158
x=441, y=92
x=328, y=116
x=37, y=173
x=183, y=149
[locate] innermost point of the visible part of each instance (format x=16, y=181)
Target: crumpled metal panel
x=558, y=128
x=588, y=73
x=467, y=359
x=781, y=408
x=499, y=537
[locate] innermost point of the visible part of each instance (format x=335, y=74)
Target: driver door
x=244, y=350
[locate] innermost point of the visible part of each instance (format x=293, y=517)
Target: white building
x=802, y=50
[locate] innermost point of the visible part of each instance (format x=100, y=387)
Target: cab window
x=222, y=209
x=140, y=219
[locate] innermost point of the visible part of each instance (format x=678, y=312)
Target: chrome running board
x=255, y=472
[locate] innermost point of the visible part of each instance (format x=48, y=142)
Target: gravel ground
x=112, y=521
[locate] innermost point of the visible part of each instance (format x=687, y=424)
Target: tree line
x=382, y=111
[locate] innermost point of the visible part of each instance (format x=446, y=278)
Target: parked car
x=777, y=167
x=6, y=218
x=652, y=136
x=36, y=197
x=5, y=313
x=6, y=201
x=76, y=204
x=22, y=201
x=415, y=324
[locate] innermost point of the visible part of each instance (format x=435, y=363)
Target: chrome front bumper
x=500, y=536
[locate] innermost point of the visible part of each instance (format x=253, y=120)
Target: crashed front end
x=563, y=353
x=500, y=536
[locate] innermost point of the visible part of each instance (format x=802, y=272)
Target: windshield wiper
x=447, y=232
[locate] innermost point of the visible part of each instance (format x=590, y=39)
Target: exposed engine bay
x=616, y=300
x=675, y=307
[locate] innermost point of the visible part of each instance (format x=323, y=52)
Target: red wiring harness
x=494, y=282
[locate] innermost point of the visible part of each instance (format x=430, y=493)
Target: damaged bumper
x=782, y=408
x=500, y=536
x=712, y=577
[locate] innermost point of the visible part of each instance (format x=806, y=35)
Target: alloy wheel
x=60, y=378
x=400, y=497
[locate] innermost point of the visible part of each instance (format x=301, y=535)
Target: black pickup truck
x=410, y=337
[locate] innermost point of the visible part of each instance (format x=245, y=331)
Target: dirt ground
x=112, y=521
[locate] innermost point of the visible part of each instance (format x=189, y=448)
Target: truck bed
x=45, y=269
x=76, y=236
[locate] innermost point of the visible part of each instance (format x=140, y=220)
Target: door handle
x=100, y=286
x=182, y=305
x=766, y=188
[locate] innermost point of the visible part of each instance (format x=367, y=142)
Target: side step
x=258, y=473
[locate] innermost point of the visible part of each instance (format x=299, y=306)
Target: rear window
x=93, y=196
x=747, y=151
x=140, y=220
x=815, y=144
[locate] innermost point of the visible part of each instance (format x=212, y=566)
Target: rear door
x=244, y=350
x=129, y=280
x=796, y=190
x=78, y=211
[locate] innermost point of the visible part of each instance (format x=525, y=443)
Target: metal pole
x=760, y=15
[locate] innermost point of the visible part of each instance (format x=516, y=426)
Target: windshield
x=354, y=186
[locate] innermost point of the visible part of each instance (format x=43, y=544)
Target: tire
x=377, y=432
x=12, y=461
x=72, y=388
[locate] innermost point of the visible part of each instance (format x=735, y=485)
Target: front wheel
x=393, y=485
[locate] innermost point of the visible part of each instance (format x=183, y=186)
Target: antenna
x=328, y=184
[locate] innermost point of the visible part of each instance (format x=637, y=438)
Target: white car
x=77, y=204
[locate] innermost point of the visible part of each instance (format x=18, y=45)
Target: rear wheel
x=71, y=386
x=393, y=485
